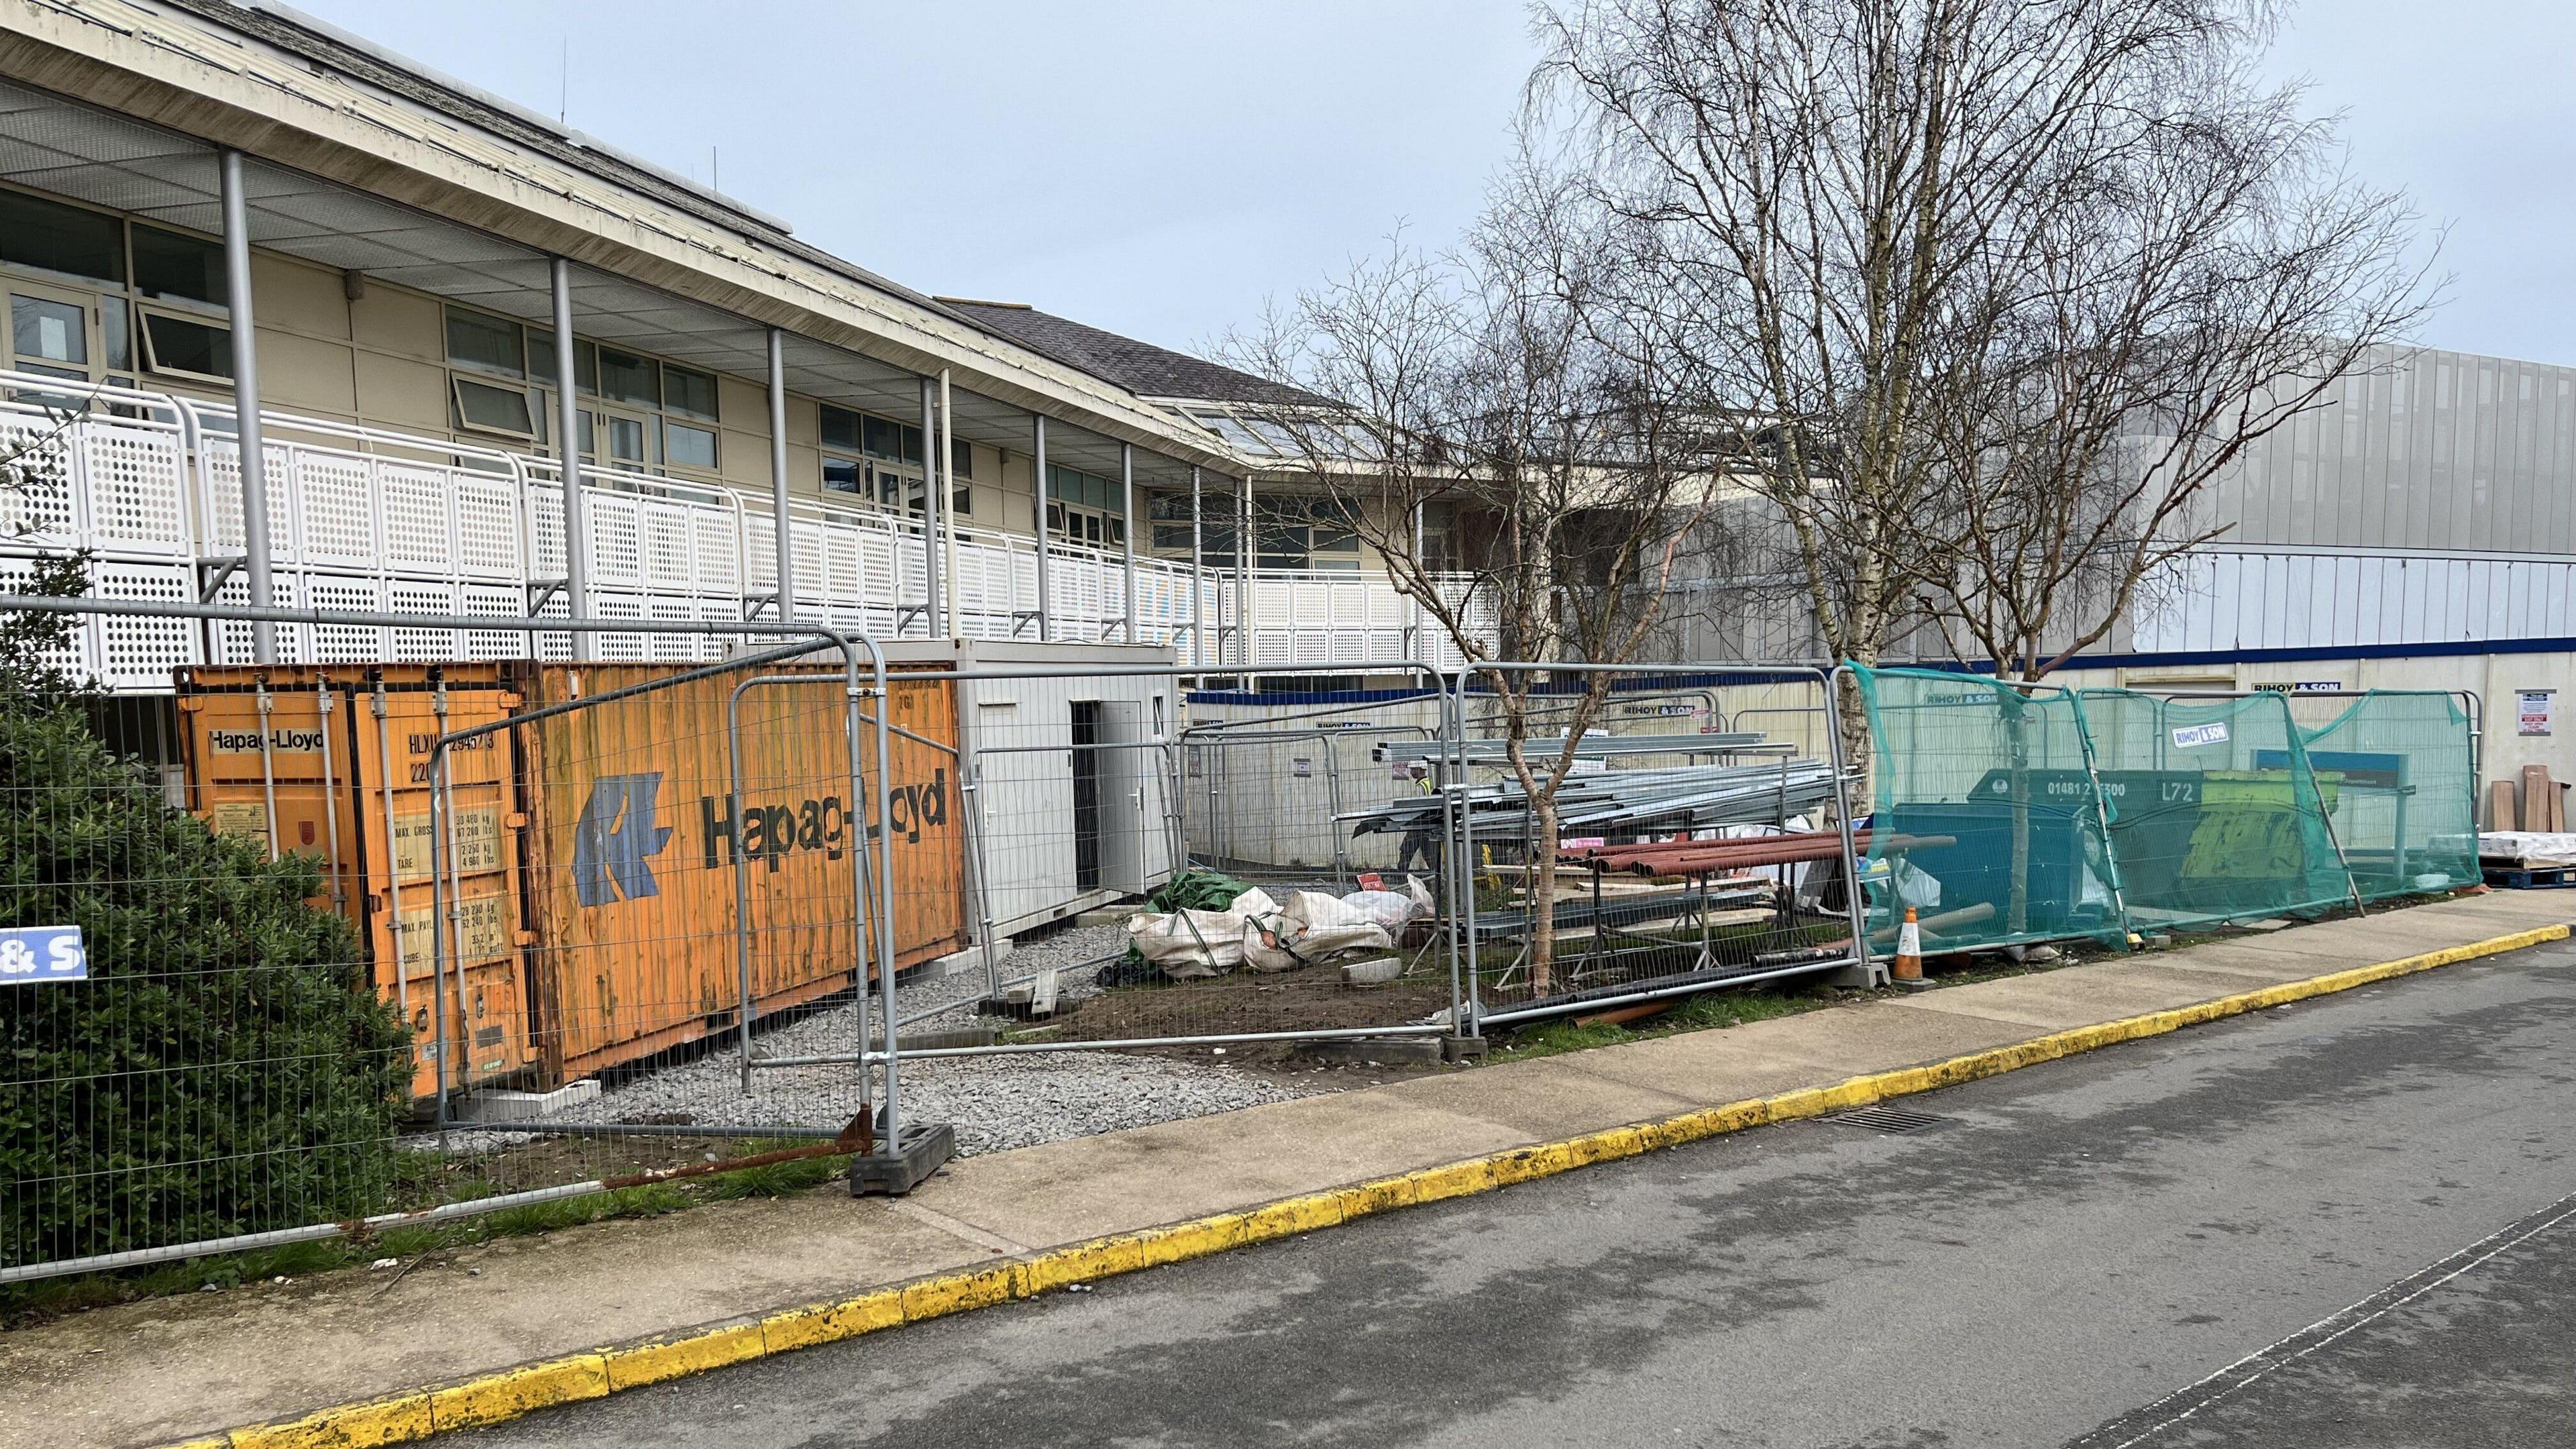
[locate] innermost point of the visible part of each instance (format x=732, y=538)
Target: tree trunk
x=2017, y=730
x=1851, y=720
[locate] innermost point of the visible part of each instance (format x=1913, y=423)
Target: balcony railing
x=366, y=519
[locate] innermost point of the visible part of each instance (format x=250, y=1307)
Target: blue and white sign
x=42, y=953
x=2193, y=736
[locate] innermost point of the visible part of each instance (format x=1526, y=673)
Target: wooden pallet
x=2519, y=878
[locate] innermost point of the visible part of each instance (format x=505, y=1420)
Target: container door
x=276, y=776
x=485, y=1030
x=1129, y=798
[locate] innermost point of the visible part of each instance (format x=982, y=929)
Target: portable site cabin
x=1072, y=771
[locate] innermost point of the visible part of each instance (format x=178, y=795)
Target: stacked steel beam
x=1623, y=801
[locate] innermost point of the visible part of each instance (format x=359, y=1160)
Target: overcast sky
x=1160, y=167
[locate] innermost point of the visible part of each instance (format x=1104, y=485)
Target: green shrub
x=224, y=1069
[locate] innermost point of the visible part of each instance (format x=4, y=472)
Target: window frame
x=150, y=350
x=448, y=312
x=457, y=382
x=134, y=283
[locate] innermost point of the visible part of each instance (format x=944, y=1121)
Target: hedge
x=225, y=1068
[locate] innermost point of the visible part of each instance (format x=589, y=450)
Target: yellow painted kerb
x=506, y=1395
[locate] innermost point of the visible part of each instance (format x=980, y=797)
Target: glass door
x=53, y=334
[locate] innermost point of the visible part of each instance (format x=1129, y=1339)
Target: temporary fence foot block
x=1860, y=976
x=1462, y=1048
x=897, y=1168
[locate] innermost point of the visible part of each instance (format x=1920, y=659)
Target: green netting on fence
x=1983, y=815
x=2404, y=777
x=2003, y=815
x=2215, y=810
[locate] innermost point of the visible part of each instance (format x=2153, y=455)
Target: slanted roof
x=1139, y=367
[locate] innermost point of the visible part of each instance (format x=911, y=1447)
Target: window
x=186, y=347
x=44, y=330
x=585, y=361
x=627, y=378
x=487, y=344
x=1084, y=508
x=178, y=268
x=625, y=438
x=961, y=458
x=485, y=408
x=1289, y=531
x=1443, y=548
x=688, y=447
x=887, y=466
x=47, y=236
x=840, y=428
x=689, y=393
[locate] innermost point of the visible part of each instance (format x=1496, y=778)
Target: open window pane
x=167, y=264
x=488, y=344
x=48, y=236
x=494, y=409
x=187, y=347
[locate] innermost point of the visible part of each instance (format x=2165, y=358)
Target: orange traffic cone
x=1909, y=950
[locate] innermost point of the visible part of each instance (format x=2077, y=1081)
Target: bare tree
x=2194, y=277
x=1500, y=384
x=1861, y=220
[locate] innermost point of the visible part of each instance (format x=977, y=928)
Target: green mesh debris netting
x=1983, y=816
x=2403, y=777
x=2215, y=811
x=2007, y=816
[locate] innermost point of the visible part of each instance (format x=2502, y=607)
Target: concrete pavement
x=160, y=1371
x=2342, y=1223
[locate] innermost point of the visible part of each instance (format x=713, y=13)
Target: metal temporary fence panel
x=2400, y=768
x=2215, y=811
x=1984, y=815
x=216, y=1064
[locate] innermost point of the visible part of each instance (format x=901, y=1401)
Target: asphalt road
x=2345, y=1223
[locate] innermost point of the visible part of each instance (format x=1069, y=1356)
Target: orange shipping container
x=595, y=851
x=344, y=777
x=635, y=842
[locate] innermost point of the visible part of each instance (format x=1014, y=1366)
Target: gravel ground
x=995, y=1103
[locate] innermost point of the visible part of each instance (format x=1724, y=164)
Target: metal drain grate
x=1888, y=1119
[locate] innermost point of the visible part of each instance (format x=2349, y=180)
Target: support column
x=1127, y=529
x=1415, y=645
x=1038, y=486
x=568, y=457
x=1198, y=576
x=934, y=502
x=246, y=425
x=949, y=628
x=1244, y=554
x=778, y=476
